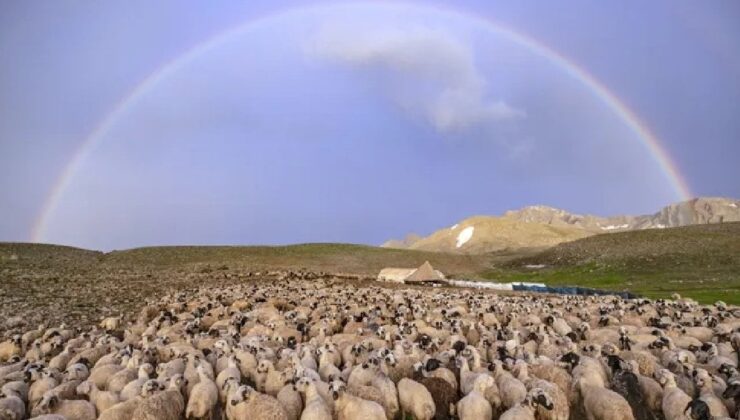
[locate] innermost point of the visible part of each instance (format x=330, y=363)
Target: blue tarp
x=572, y=290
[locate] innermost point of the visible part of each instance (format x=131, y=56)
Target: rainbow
x=648, y=139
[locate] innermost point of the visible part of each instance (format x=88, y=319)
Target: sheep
x=120, y=379
x=133, y=388
x=291, y=401
x=474, y=405
x=626, y=384
x=315, y=406
x=349, y=407
x=560, y=409
x=390, y=394
x=443, y=394
x=39, y=387
x=512, y=390
x=101, y=399
x=369, y=393
x=706, y=393
x=602, y=403
x=525, y=410
x=101, y=374
x=71, y=409
x=19, y=388
x=415, y=399
x=203, y=398
x=166, y=405
x=12, y=406
x=250, y=404
x=10, y=348
x=125, y=409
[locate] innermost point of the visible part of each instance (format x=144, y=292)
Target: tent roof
x=424, y=273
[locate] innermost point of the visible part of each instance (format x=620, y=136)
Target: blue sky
x=352, y=122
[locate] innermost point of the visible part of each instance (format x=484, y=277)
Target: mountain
x=543, y=226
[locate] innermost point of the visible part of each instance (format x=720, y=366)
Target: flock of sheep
x=316, y=350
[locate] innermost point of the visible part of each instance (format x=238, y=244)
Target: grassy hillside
x=348, y=258
x=701, y=261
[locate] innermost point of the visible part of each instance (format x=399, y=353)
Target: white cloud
x=432, y=73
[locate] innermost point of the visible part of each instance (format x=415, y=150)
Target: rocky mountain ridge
x=543, y=226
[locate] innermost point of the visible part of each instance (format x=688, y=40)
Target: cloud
x=432, y=73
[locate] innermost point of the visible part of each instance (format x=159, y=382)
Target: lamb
x=525, y=410
x=415, y=399
x=102, y=400
x=250, y=404
x=203, y=399
x=167, y=405
x=71, y=409
x=349, y=407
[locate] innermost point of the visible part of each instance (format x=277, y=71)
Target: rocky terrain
x=51, y=284
x=543, y=226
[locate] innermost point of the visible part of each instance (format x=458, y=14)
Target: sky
x=137, y=123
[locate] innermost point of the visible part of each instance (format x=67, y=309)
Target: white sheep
x=133, y=388
x=475, y=405
x=102, y=400
x=602, y=403
x=203, y=398
x=167, y=405
x=290, y=399
x=526, y=410
x=415, y=399
x=246, y=403
x=12, y=406
x=349, y=407
x=316, y=407
x=71, y=409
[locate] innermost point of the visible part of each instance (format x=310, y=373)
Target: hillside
x=702, y=261
x=50, y=283
x=543, y=226
x=358, y=259
x=483, y=234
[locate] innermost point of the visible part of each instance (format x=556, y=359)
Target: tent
x=395, y=275
x=424, y=273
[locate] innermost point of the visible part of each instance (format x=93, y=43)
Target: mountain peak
x=543, y=226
